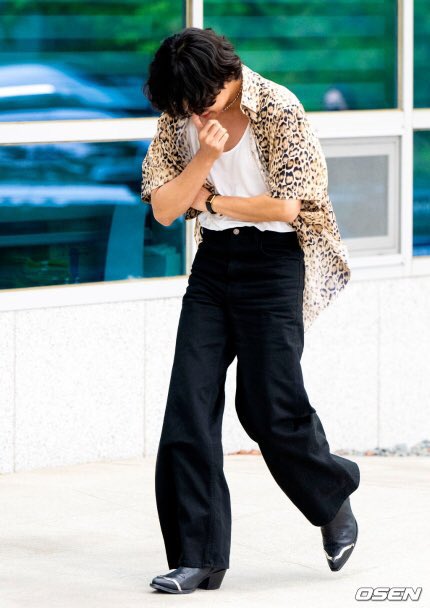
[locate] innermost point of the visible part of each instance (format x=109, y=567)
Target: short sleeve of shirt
x=297, y=166
x=158, y=167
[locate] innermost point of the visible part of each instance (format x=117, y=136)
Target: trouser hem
x=201, y=565
x=342, y=496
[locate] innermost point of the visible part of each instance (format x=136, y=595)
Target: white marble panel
x=79, y=384
x=405, y=361
x=7, y=391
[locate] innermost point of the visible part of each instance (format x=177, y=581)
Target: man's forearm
x=260, y=208
x=173, y=198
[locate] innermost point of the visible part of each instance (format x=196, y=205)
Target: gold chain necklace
x=230, y=104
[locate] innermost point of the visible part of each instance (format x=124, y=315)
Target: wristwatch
x=209, y=200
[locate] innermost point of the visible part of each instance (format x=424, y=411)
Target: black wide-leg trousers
x=244, y=298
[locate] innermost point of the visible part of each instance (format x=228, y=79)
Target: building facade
x=91, y=284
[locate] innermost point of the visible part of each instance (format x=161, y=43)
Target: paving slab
x=87, y=536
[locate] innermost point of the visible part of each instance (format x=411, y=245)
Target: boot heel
x=213, y=581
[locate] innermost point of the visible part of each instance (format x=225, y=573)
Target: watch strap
x=209, y=203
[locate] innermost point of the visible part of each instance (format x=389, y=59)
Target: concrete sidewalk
x=88, y=536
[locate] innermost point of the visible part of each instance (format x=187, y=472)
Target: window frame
x=368, y=147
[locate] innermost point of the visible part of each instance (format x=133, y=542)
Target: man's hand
x=212, y=137
x=200, y=200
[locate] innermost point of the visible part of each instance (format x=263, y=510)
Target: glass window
x=364, y=189
x=71, y=213
x=332, y=55
x=421, y=228
x=421, y=53
x=78, y=60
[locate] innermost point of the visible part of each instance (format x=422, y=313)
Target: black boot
x=186, y=580
x=340, y=536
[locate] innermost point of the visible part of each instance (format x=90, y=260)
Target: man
x=236, y=151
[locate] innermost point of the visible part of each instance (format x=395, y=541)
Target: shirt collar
x=250, y=91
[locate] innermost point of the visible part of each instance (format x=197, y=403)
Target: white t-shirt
x=234, y=173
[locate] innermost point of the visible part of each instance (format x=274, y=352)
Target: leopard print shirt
x=289, y=154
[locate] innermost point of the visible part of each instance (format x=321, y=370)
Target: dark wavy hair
x=188, y=71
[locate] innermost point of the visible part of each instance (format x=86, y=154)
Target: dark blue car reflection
x=37, y=91
x=71, y=212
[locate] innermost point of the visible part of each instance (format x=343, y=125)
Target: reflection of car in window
x=72, y=213
x=35, y=91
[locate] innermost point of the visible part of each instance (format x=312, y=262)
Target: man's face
x=221, y=101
